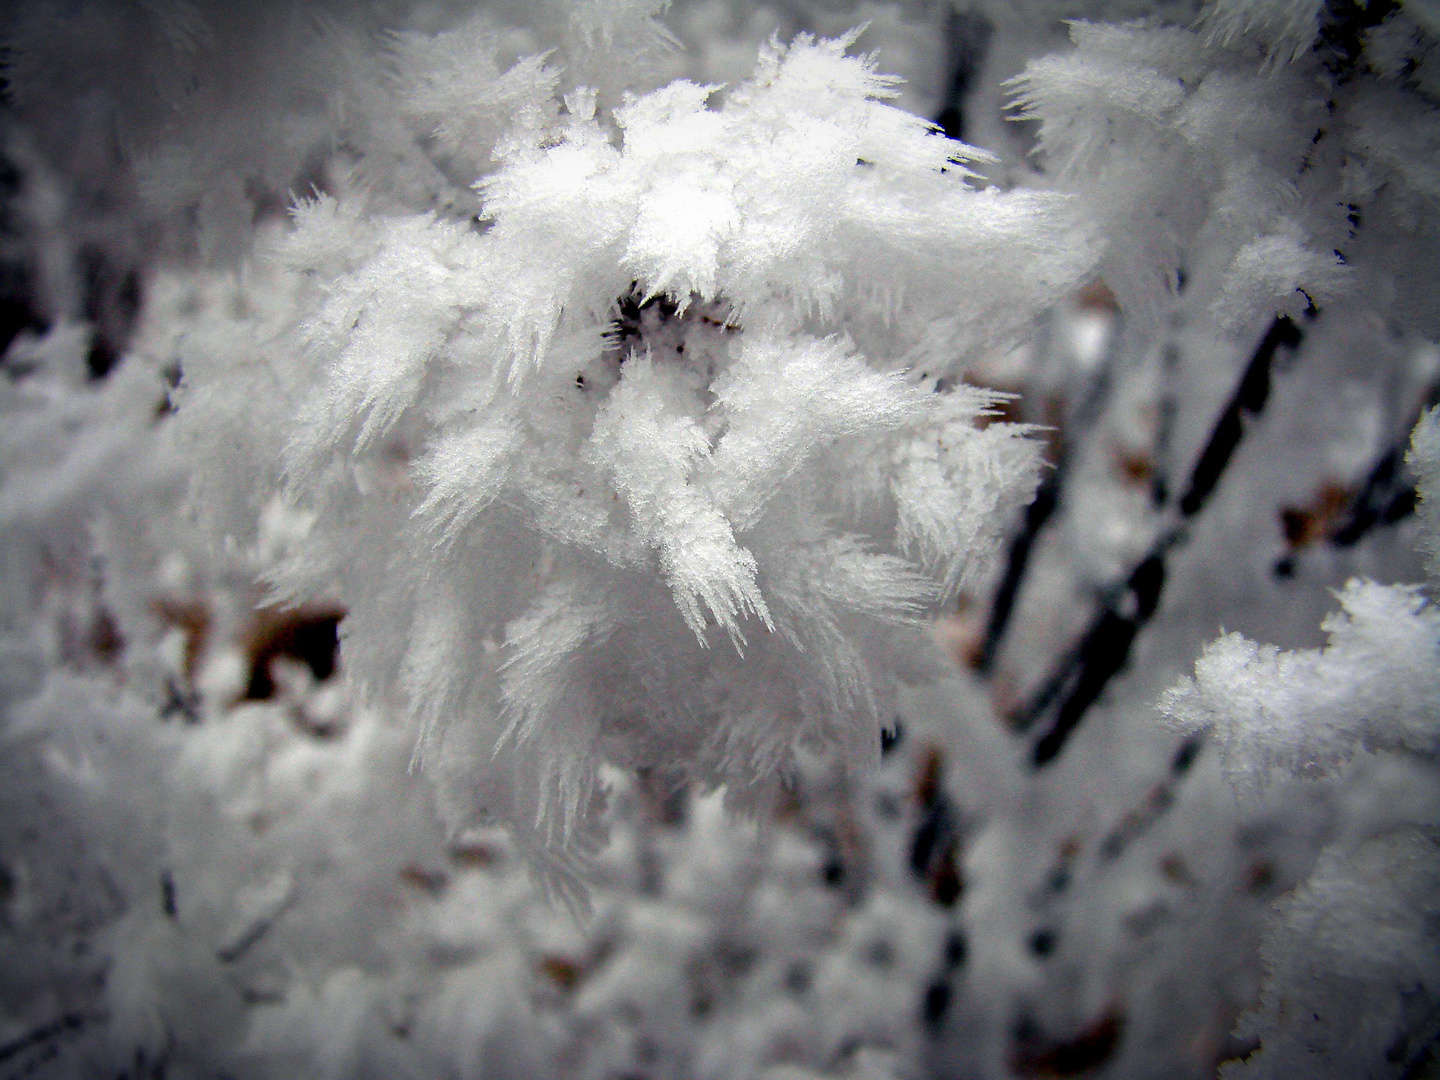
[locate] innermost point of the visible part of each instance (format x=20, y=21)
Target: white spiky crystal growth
x=660, y=462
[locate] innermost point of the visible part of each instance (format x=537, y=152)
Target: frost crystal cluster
x=660, y=460
x=1376, y=685
x=1255, y=158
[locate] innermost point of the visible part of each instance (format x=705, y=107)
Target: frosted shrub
x=637, y=433
x=660, y=462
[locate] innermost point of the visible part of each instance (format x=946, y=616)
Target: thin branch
x=42, y=1036
x=1104, y=649
x=1039, y=512
x=1388, y=494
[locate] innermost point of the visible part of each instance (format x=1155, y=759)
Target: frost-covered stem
x=967, y=38
x=1082, y=675
x=1249, y=399
x=1169, y=410
x=1038, y=514
x=1102, y=653
x=1141, y=818
x=40, y=1038
x=1017, y=562
x=1388, y=494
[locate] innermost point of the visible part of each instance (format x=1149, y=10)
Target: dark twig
x=1103, y=652
x=1386, y=497
x=1165, y=430
x=1083, y=674
x=1388, y=494
x=1037, y=516
x=1249, y=399
x=41, y=1036
x=167, y=894
x=1017, y=561
x=967, y=38
x=1140, y=818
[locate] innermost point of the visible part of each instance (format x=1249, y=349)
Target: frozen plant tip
x=690, y=382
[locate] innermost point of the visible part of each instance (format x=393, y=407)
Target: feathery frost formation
x=1275, y=156
x=1351, y=958
x=1376, y=686
x=661, y=460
